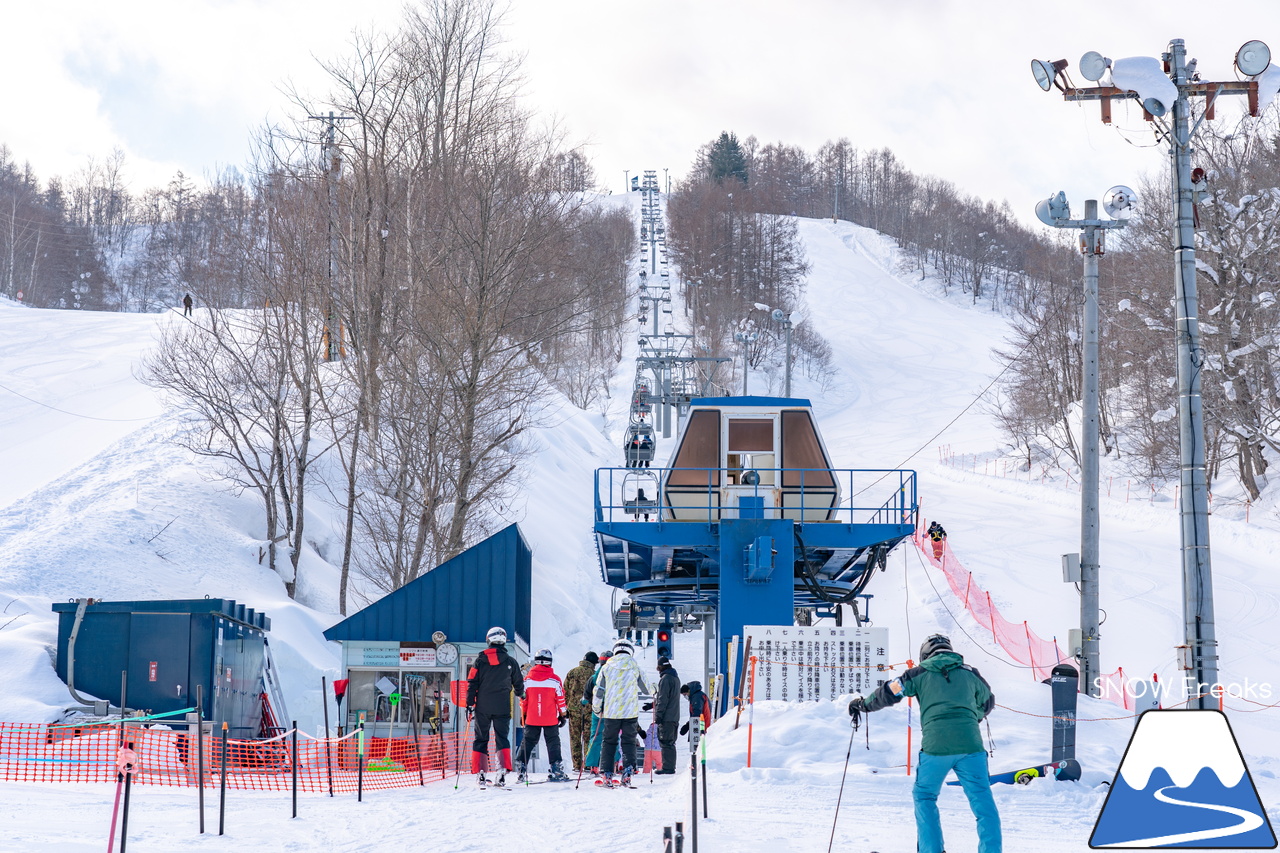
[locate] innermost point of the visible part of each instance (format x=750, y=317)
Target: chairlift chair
x=639, y=445
x=640, y=494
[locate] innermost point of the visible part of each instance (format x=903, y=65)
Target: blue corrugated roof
x=772, y=402
x=488, y=584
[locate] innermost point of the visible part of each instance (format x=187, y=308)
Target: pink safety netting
x=1017, y=639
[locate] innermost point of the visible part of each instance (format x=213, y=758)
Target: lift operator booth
x=407, y=655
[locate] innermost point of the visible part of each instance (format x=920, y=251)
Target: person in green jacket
x=954, y=698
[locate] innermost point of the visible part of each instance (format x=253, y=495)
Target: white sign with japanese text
x=807, y=664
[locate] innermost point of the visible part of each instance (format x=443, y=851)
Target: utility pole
x=331, y=155
x=746, y=339
x=1056, y=212
x=1199, y=651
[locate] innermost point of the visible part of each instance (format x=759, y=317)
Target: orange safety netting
x=39, y=752
x=1016, y=638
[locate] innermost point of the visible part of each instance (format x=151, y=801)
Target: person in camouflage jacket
x=575, y=689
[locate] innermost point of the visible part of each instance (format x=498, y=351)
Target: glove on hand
x=470, y=713
x=684, y=730
x=563, y=720
x=647, y=706
x=857, y=705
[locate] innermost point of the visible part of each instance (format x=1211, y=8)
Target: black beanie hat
x=591, y=657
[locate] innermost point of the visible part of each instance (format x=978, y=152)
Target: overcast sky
x=945, y=84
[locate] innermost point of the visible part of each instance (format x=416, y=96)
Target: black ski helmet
x=933, y=644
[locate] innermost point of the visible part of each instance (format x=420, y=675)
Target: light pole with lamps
x=1055, y=212
x=1165, y=86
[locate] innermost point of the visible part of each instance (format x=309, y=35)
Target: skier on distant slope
x=617, y=702
x=954, y=698
x=544, y=712
x=489, y=684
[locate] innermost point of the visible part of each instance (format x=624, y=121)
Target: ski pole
x=124, y=817
x=457, y=752
x=328, y=745
x=293, y=781
x=853, y=730
x=702, y=749
x=115, y=812
x=360, y=766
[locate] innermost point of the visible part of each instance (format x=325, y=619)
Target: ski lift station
x=751, y=524
x=158, y=655
x=406, y=655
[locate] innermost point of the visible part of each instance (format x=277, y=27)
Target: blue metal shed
x=420, y=639
x=168, y=648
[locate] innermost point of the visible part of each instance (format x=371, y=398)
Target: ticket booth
x=406, y=655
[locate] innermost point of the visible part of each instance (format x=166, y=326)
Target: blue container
x=167, y=648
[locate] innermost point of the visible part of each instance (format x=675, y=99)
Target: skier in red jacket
x=544, y=713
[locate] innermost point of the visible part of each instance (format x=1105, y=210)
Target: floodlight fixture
x=1120, y=202
x=778, y=315
x=1253, y=57
x=1093, y=65
x=1046, y=73
x=1054, y=210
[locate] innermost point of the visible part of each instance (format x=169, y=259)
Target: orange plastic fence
x=37, y=752
x=1016, y=638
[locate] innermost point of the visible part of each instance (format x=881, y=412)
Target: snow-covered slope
x=910, y=361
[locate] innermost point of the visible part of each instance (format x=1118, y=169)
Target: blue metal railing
x=866, y=495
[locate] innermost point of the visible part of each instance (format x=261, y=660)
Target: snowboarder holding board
x=954, y=698
x=489, y=684
x=939, y=538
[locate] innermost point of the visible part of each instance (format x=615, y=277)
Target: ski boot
x=626, y=777
x=484, y=783
x=501, y=781
x=557, y=773
x=605, y=780
x=521, y=776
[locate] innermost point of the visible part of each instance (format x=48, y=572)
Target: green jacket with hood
x=953, y=696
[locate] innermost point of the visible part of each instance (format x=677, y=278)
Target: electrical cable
x=75, y=414
x=1026, y=346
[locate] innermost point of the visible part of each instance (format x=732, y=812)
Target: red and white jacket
x=543, y=697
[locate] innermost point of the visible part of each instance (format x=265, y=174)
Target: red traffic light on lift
x=664, y=642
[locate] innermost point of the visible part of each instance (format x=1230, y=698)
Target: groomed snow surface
x=83, y=503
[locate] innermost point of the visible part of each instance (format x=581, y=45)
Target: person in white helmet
x=543, y=711
x=489, y=684
x=619, y=686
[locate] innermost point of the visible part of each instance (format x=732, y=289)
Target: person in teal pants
x=954, y=699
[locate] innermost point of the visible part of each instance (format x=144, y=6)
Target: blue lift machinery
x=751, y=524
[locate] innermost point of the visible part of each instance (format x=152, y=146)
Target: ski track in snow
x=83, y=498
